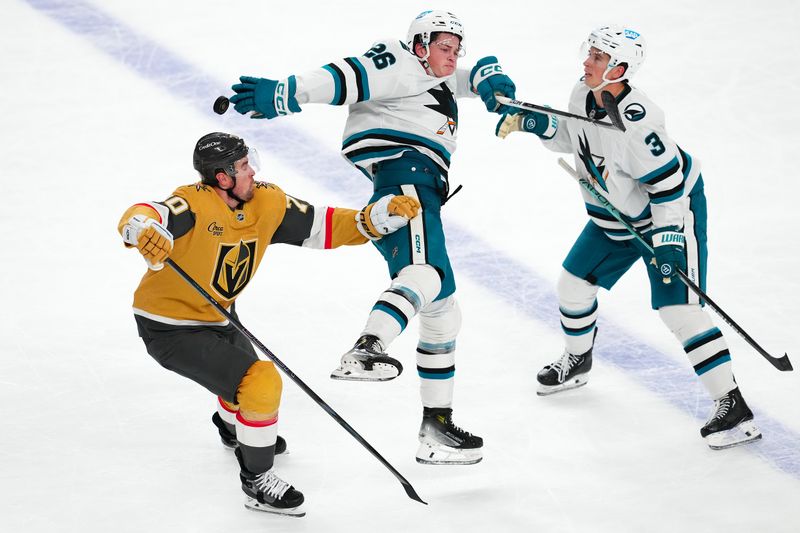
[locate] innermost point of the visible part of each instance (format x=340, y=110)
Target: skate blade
x=439, y=454
x=255, y=505
x=546, y=390
x=380, y=372
x=744, y=433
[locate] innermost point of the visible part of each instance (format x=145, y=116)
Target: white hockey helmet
x=429, y=22
x=624, y=45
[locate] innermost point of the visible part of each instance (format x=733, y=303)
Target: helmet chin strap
x=229, y=191
x=606, y=81
x=424, y=59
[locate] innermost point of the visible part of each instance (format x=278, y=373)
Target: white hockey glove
x=543, y=125
x=152, y=240
x=388, y=214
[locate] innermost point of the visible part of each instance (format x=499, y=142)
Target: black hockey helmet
x=218, y=152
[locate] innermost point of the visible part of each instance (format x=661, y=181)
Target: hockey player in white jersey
x=659, y=188
x=401, y=133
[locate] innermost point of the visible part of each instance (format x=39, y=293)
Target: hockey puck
x=221, y=105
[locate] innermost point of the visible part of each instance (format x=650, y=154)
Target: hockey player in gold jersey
x=217, y=230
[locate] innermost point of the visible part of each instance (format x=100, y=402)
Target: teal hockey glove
x=487, y=80
x=265, y=98
x=545, y=126
x=668, y=245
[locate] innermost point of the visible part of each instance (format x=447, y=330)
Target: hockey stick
x=609, y=103
x=781, y=363
x=314, y=396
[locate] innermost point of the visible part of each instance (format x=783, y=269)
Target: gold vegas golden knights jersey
x=221, y=247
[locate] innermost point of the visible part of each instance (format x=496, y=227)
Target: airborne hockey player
x=401, y=133
x=659, y=188
x=218, y=230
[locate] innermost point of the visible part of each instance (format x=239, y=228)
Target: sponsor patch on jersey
x=215, y=229
x=634, y=112
x=234, y=268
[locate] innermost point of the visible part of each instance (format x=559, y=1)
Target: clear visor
x=254, y=160
x=587, y=50
x=450, y=44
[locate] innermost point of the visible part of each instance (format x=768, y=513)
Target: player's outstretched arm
x=265, y=98
x=138, y=228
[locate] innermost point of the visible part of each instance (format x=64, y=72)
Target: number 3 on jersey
x=655, y=144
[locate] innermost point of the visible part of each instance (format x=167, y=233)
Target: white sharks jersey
x=395, y=105
x=641, y=171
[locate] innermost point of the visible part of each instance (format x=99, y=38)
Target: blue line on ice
x=520, y=288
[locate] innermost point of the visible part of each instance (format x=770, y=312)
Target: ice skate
x=444, y=443
x=568, y=372
x=228, y=438
x=366, y=361
x=268, y=493
x=731, y=423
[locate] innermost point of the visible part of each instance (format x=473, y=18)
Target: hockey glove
x=152, y=240
x=545, y=126
x=487, y=80
x=387, y=215
x=265, y=98
x=668, y=246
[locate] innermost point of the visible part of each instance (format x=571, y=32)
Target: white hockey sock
x=704, y=346
x=439, y=323
x=227, y=414
x=411, y=290
x=436, y=368
x=577, y=301
x=256, y=433
x=578, y=327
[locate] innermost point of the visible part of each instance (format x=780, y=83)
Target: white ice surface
x=97, y=437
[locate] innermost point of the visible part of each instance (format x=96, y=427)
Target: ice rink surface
x=102, y=104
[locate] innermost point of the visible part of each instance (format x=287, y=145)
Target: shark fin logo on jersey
x=634, y=112
x=445, y=105
x=234, y=268
x=594, y=164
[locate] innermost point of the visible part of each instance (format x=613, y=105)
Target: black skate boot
x=443, y=443
x=269, y=493
x=366, y=361
x=731, y=423
x=568, y=372
x=228, y=437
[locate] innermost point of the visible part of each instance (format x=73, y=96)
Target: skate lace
x=451, y=427
x=271, y=484
x=565, y=364
x=723, y=406
x=372, y=345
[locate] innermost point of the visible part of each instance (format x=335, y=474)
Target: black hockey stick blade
x=612, y=110
x=291, y=375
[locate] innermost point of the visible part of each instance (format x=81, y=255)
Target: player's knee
x=574, y=292
x=440, y=321
x=685, y=320
x=260, y=389
x=424, y=280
